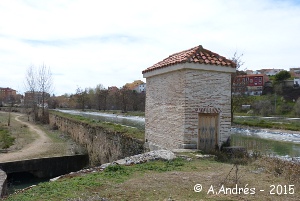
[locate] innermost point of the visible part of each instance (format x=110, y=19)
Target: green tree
x=282, y=75
x=278, y=83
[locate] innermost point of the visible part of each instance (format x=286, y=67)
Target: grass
x=6, y=140
x=161, y=180
x=17, y=131
x=76, y=186
x=129, y=131
x=268, y=123
x=60, y=144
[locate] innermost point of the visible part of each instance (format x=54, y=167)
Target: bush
x=262, y=107
x=285, y=108
x=297, y=107
x=5, y=139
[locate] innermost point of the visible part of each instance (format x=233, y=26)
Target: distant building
x=113, y=89
x=7, y=94
x=270, y=72
x=250, y=72
x=252, y=83
x=296, y=82
x=134, y=84
x=36, y=97
x=295, y=72
x=140, y=88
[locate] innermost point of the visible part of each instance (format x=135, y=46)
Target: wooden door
x=207, y=132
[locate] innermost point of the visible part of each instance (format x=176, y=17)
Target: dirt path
x=40, y=145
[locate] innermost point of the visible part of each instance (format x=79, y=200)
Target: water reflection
x=273, y=143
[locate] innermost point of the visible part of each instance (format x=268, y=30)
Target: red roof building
x=194, y=55
x=253, y=83
x=7, y=93
x=188, y=101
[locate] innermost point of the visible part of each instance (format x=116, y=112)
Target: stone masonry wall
x=171, y=102
x=3, y=183
x=103, y=146
x=164, y=116
x=207, y=88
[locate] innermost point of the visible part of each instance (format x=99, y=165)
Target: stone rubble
x=148, y=156
x=136, y=159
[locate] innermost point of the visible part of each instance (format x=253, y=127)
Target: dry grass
x=57, y=145
x=160, y=180
x=178, y=185
x=17, y=130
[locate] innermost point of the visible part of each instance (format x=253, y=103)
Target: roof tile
x=194, y=55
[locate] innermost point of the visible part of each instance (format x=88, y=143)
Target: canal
x=285, y=144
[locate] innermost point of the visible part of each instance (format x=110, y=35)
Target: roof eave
x=193, y=66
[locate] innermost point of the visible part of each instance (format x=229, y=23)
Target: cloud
x=110, y=42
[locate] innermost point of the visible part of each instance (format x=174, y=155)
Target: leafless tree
x=82, y=97
x=238, y=84
x=297, y=107
x=12, y=102
x=38, y=84
x=101, y=95
x=263, y=107
x=31, y=87
x=45, y=85
x=125, y=98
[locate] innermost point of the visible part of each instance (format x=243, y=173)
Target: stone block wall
x=203, y=89
x=164, y=115
x=103, y=146
x=173, y=97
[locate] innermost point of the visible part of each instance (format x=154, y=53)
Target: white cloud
x=110, y=42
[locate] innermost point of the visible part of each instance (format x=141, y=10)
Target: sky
x=86, y=42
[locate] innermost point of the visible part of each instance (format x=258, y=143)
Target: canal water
x=133, y=121
x=284, y=144
x=21, y=180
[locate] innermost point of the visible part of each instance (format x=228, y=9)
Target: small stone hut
x=188, y=101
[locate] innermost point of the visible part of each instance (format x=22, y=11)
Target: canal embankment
x=3, y=183
x=104, y=143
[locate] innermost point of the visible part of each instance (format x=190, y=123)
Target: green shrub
x=5, y=139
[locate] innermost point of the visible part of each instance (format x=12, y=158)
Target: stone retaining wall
x=103, y=146
x=3, y=183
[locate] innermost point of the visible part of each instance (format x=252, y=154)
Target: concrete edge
x=3, y=184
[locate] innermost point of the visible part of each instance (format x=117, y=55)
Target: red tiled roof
x=194, y=55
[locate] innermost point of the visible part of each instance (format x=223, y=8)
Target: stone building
x=188, y=101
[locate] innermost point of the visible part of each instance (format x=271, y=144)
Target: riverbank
x=177, y=179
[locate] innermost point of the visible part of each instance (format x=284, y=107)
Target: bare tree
x=101, y=95
x=297, y=107
x=82, y=97
x=12, y=100
x=238, y=84
x=125, y=98
x=45, y=84
x=38, y=84
x=31, y=87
